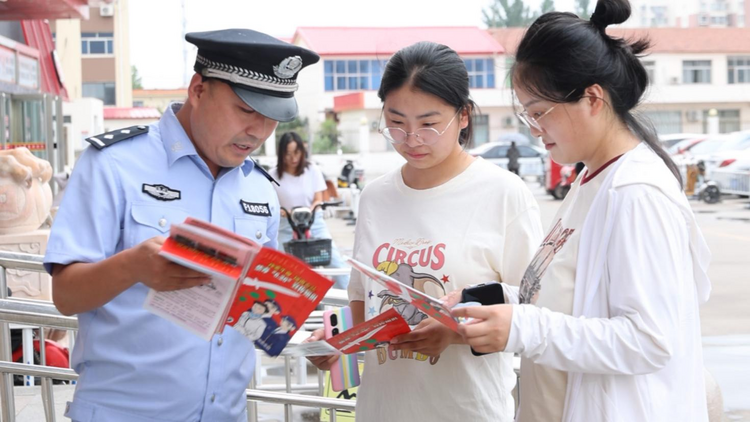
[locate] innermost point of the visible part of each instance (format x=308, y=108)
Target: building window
x=353, y=75
x=480, y=130
x=665, y=122
x=104, y=91
x=650, y=67
x=738, y=70
x=696, y=72
x=481, y=72
x=729, y=121
x=97, y=43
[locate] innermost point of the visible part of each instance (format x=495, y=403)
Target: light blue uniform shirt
x=135, y=366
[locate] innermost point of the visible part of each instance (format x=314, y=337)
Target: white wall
x=86, y=119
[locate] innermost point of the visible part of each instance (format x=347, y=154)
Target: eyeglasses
x=533, y=122
x=425, y=135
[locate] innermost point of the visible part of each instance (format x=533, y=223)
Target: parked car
x=740, y=162
x=701, y=151
x=734, y=144
x=669, y=140
x=685, y=145
x=531, y=160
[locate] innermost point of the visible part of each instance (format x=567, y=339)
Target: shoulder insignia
x=106, y=139
x=264, y=172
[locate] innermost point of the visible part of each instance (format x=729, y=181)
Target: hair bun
x=609, y=12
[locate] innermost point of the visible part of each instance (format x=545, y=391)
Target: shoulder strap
x=264, y=172
x=110, y=138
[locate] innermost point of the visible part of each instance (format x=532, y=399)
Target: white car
x=734, y=144
x=669, y=140
x=531, y=160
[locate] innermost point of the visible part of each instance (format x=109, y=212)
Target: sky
x=156, y=26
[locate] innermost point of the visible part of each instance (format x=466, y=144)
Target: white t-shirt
x=298, y=191
x=551, y=278
x=481, y=225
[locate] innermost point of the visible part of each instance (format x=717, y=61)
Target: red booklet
x=409, y=296
x=368, y=335
x=263, y=293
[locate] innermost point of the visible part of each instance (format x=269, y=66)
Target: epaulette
x=264, y=172
x=106, y=139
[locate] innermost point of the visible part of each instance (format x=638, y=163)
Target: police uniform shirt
x=135, y=366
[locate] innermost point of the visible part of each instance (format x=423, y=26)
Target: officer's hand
x=159, y=273
x=321, y=362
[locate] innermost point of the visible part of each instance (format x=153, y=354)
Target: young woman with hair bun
x=607, y=326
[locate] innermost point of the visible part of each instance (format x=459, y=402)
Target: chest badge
x=261, y=210
x=161, y=192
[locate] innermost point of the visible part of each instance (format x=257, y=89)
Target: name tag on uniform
x=252, y=208
x=161, y=192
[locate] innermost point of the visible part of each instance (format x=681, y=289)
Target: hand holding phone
x=490, y=293
x=345, y=372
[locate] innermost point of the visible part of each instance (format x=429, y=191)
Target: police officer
x=121, y=200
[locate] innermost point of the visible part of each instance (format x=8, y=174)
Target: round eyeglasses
x=425, y=135
x=533, y=122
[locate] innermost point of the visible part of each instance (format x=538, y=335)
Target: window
x=481, y=72
x=352, y=75
x=650, y=66
x=480, y=129
x=97, y=43
x=718, y=20
x=696, y=72
x=497, y=152
x=104, y=91
x=738, y=69
x=665, y=121
x=729, y=121
x=527, y=151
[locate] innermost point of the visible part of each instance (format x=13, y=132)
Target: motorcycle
x=314, y=252
x=350, y=176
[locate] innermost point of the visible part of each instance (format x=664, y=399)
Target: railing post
x=48, y=399
x=288, y=379
x=7, y=401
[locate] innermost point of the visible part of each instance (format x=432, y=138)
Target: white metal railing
x=44, y=315
x=732, y=182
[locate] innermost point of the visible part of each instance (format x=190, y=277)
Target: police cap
x=261, y=70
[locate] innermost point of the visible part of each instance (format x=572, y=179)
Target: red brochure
x=263, y=293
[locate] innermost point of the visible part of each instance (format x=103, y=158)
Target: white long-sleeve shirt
x=632, y=346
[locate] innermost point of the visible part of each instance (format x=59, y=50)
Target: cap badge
x=288, y=67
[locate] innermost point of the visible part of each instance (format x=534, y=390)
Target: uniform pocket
x=151, y=220
x=252, y=228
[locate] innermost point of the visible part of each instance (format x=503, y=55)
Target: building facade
x=96, y=54
x=689, y=14
x=344, y=84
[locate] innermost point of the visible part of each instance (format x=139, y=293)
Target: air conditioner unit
x=107, y=10
x=674, y=80
x=374, y=126
x=692, y=115
x=508, y=121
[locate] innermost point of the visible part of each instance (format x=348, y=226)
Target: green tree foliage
x=548, y=6
x=327, y=138
x=582, y=9
x=502, y=14
x=135, y=78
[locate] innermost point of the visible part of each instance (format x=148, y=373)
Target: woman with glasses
x=440, y=222
x=301, y=184
x=608, y=326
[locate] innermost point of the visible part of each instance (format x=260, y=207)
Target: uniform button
x=258, y=235
x=162, y=222
x=221, y=341
x=213, y=398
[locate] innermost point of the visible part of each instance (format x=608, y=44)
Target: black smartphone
x=490, y=293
